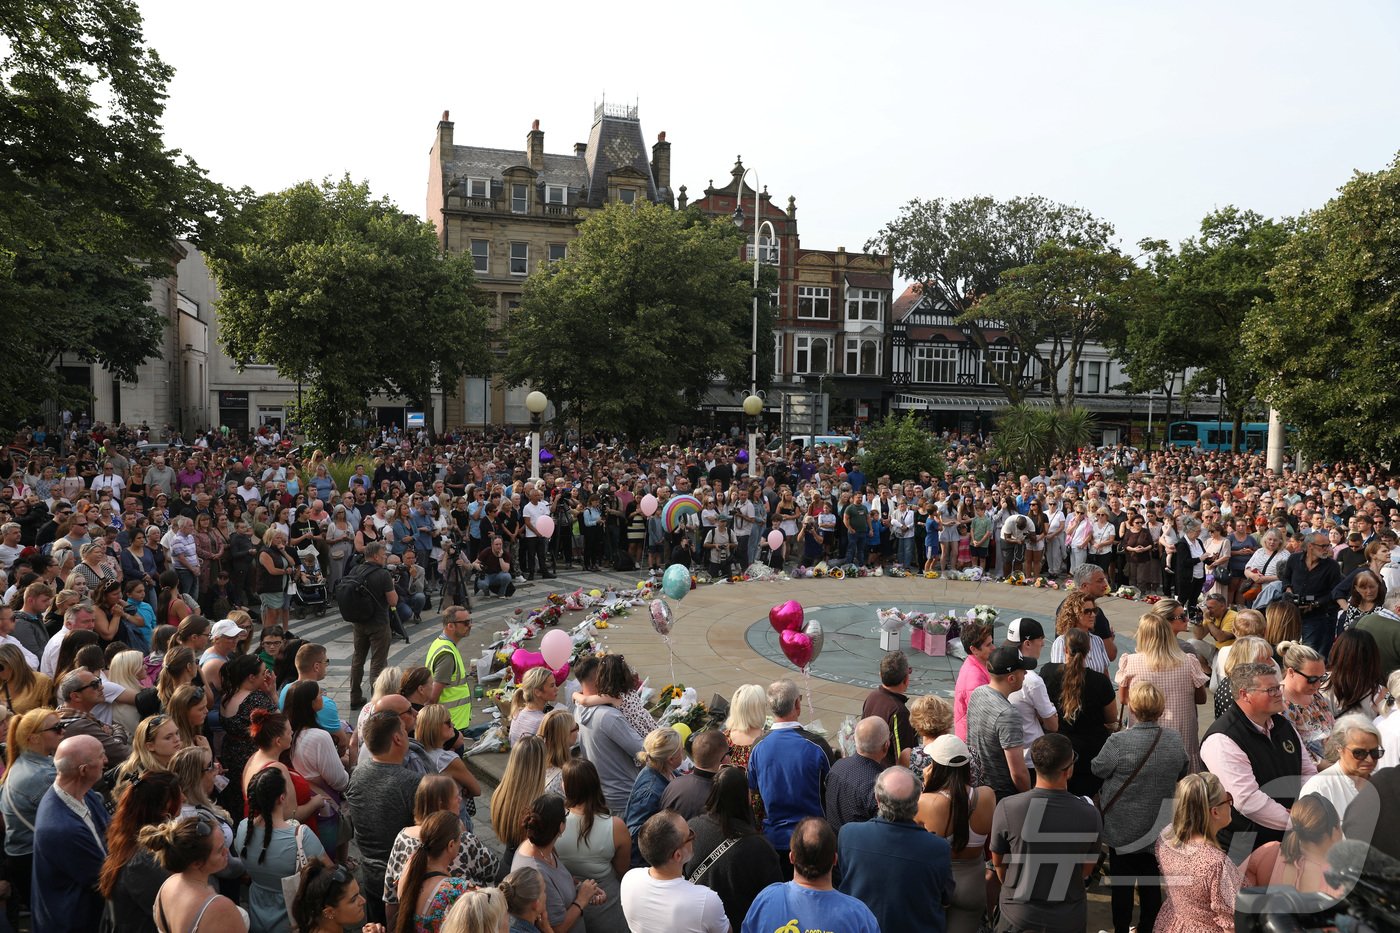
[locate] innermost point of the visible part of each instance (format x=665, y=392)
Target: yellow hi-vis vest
x=457, y=695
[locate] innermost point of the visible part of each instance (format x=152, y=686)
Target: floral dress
x=739, y=757
x=443, y=898
x=475, y=863
x=1200, y=890
x=238, y=745
x=1313, y=722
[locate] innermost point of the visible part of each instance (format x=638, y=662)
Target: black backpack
x=352, y=594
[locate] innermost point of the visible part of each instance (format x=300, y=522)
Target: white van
x=807, y=440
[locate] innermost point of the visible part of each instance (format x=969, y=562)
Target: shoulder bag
x=710, y=860
x=291, y=884
x=1124, y=786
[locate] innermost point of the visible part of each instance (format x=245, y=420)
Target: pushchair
x=308, y=587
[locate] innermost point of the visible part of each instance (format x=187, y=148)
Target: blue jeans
x=189, y=582
x=858, y=548
x=498, y=583
x=906, y=550
x=412, y=606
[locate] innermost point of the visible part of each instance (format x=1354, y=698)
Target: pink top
x=972, y=675
x=1224, y=759
x=1200, y=884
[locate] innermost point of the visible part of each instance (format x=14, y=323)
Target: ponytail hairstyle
x=1313, y=819
x=266, y=727
x=1196, y=794
x=437, y=833
x=178, y=844
x=1077, y=645
x=265, y=790
x=22, y=728
x=522, y=888
x=1392, y=693
x=531, y=684
x=147, y=800
x=176, y=663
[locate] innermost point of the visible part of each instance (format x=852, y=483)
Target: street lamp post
x=535, y=403
x=753, y=407
x=753, y=398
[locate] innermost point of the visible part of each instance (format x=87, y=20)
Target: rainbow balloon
x=678, y=507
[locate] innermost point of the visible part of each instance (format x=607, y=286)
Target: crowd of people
x=172, y=759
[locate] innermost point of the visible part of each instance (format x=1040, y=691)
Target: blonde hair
x=1157, y=643
x=479, y=911
x=142, y=759
x=1254, y=649
x=1282, y=622
x=185, y=698
x=22, y=728
x=659, y=747
x=521, y=783
x=555, y=729
x=1249, y=622
x=1392, y=690
x=431, y=719
x=126, y=669
x=1145, y=701
x=748, y=708
x=535, y=680
x=931, y=716
x=386, y=683
x=188, y=766
x=1195, y=795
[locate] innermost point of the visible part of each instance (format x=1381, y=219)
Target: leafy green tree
x=348, y=295
x=959, y=252
x=1055, y=306
x=91, y=200
x=650, y=308
x=1325, y=347
x=1026, y=438
x=900, y=447
x=1209, y=284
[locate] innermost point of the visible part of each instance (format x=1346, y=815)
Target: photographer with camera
x=493, y=563
x=720, y=544
x=1308, y=579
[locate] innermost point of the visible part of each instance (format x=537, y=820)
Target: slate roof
x=481, y=162
x=616, y=142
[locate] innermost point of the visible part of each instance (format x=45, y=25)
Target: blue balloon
x=675, y=583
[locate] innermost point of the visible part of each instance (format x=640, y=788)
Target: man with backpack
x=366, y=596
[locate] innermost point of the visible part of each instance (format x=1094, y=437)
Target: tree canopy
x=348, y=295
x=649, y=307
x=900, y=447
x=960, y=253
x=1324, y=346
x=91, y=200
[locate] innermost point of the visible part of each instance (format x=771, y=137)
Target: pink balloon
x=544, y=526
x=775, y=539
x=556, y=647
x=522, y=661
x=798, y=648
x=649, y=504
x=787, y=617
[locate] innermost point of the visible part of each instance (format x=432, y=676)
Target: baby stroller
x=308, y=587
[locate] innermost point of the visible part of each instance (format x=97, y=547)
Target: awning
x=921, y=401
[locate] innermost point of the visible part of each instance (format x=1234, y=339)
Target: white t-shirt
x=1339, y=789
x=1032, y=701
x=534, y=511
x=676, y=906
x=1015, y=528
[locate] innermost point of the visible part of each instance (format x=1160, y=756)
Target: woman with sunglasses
x=192, y=850
x=199, y=774
x=1357, y=743
x=1189, y=851
x=1306, y=707
x=29, y=773
x=329, y=900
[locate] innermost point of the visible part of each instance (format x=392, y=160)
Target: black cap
x=1007, y=659
x=1023, y=629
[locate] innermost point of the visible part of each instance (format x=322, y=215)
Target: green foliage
x=628, y=332
x=341, y=470
x=1325, y=346
x=91, y=200
x=1026, y=438
x=349, y=296
x=960, y=252
x=900, y=447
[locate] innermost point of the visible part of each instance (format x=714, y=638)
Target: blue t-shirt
x=329, y=716
x=789, y=906
x=788, y=771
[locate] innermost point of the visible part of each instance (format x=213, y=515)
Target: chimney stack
x=534, y=146
x=580, y=150
x=445, y=133
x=661, y=161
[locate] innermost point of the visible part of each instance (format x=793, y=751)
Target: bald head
x=79, y=761
x=897, y=794
x=872, y=738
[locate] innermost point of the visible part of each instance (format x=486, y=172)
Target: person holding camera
x=493, y=565
x=720, y=544
x=1308, y=579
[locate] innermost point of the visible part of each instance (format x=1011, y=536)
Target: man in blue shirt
x=901, y=871
x=809, y=901
x=788, y=771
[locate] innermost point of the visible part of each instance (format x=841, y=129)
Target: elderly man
x=1043, y=843
x=80, y=693
x=786, y=769
x=850, y=788
x=79, y=617
x=1216, y=628
x=659, y=897
x=1259, y=758
x=70, y=841
x=160, y=478
x=536, y=545
x=184, y=557
x=809, y=900
x=902, y=872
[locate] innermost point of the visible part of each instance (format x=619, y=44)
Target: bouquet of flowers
x=891, y=620
x=1126, y=592
x=930, y=574
x=846, y=737
x=1017, y=579
x=837, y=574
x=897, y=570
x=974, y=574
x=801, y=573
x=985, y=614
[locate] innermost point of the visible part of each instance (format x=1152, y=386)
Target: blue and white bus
x=1220, y=435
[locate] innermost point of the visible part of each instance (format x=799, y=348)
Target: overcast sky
x=1148, y=114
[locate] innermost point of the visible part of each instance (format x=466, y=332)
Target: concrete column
x=1274, y=461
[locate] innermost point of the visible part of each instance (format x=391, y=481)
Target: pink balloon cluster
x=522, y=661
x=801, y=641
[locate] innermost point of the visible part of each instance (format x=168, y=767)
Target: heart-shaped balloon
x=787, y=617
x=522, y=660
x=661, y=616
x=797, y=646
x=813, y=630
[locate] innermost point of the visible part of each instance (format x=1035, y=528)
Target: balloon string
x=671, y=651
x=807, y=686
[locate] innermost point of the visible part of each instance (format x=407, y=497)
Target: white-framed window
x=519, y=198
x=814, y=302
x=862, y=356
x=556, y=194
x=811, y=354
x=481, y=256
x=478, y=187
x=864, y=304
x=557, y=251
x=767, y=250
x=778, y=354
x=520, y=259
x=935, y=363
x=627, y=195
x=1091, y=377
x=775, y=300
x=998, y=360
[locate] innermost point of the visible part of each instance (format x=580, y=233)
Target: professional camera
x=1369, y=877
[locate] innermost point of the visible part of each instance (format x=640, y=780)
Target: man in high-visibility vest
x=449, y=685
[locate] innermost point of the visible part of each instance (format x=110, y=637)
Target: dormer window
x=478, y=187
x=519, y=198
x=556, y=194
x=627, y=195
